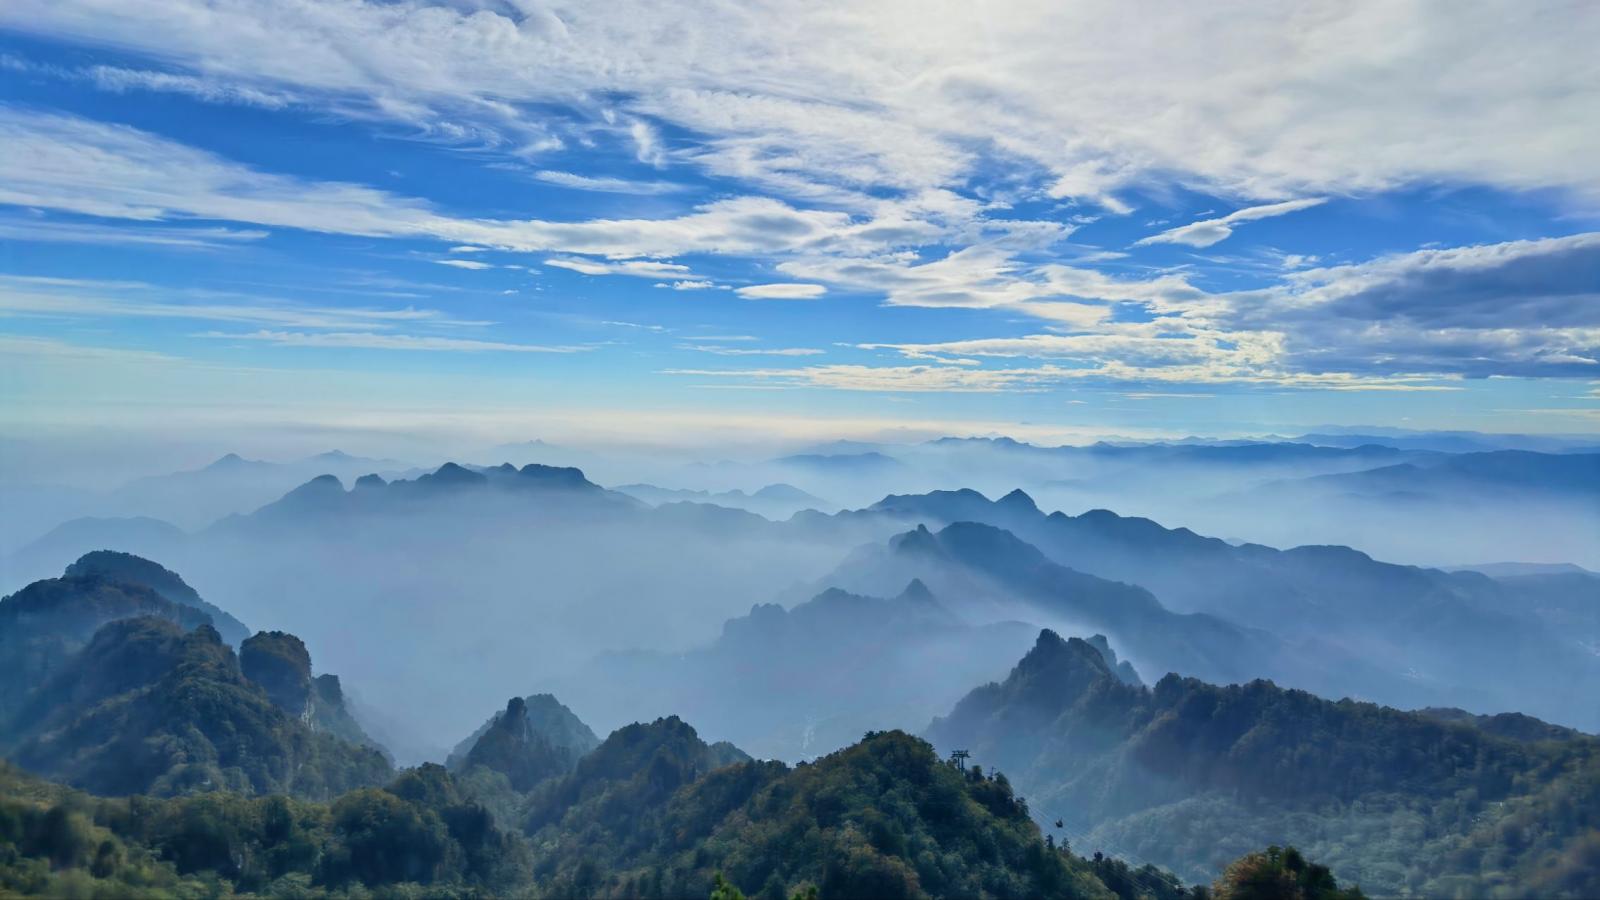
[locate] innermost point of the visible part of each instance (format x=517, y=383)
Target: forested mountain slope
x=113, y=687
x=1188, y=775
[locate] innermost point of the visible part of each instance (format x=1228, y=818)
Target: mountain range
x=786, y=683
x=113, y=687
x=1185, y=772
x=1461, y=634
x=1323, y=618
x=775, y=501
x=187, y=499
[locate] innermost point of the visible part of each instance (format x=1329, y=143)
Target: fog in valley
x=755, y=596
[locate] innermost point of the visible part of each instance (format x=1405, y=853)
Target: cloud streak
x=781, y=291
x=751, y=351
x=344, y=340
x=1213, y=231
x=45, y=298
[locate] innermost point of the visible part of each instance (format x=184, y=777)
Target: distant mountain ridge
x=1460, y=630
x=325, y=497
x=996, y=575
x=792, y=683
x=1468, y=477
x=776, y=501
x=1185, y=772
x=1327, y=618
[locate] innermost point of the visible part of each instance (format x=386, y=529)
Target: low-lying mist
x=757, y=597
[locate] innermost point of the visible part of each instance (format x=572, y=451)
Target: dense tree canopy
x=883, y=818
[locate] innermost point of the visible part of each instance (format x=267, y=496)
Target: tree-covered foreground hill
x=116, y=682
x=883, y=818
x=1190, y=775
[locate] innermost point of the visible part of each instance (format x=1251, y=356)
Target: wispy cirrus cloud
x=607, y=184
x=992, y=276
x=55, y=231
x=890, y=379
x=751, y=351
x=781, y=291
x=344, y=340
x=120, y=80
x=52, y=350
x=50, y=298
x=67, y=163
x=637, y=268
x=1296, y=104
x=1213, y=231
x=211, y=90
x=964, y=379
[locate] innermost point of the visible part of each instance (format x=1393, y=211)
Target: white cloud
x=1528, y=308
x=375, y=341
x=781, y=291
x=692, y=285
x=72, y=164
x=963, y=379
x=895, y=379
x=638, y=268
x=1168, y=352
x=893, y=185
x=1212, y=231
x=647, y=144
x=1249, y=99
x=604, y=184
x=121, y=80
x=464, y=264
x=44, y=230
x=14, y=346
x=990, y=276
x=751, y=351
x=1164, y=395
x=80, y=298
x=1520, y=308
x=67, y=163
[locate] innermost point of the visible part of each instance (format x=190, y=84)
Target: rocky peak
x=1123, y=670
x=916, y=541
x=1018, y=501
x=279, y=663
x=1059, y=669
x=917, y=592
x=452, y=474
x=556, y=476
x=513, y=748
x=230, y=461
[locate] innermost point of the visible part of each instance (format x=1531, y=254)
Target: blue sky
x=1058, y=222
